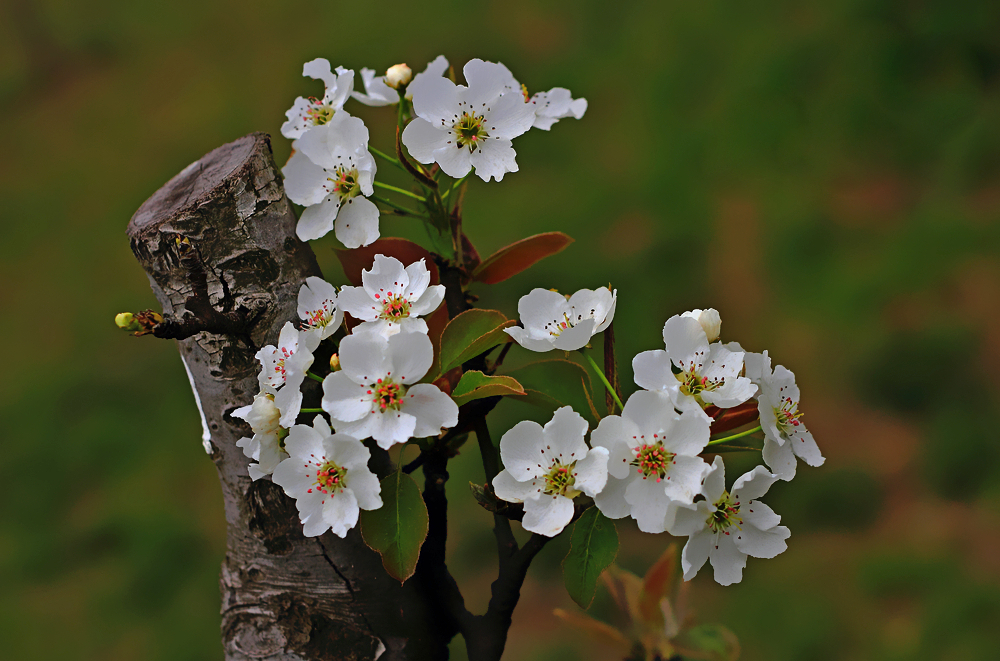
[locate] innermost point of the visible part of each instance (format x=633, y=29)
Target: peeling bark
x=218, y=243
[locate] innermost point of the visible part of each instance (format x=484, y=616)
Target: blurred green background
x=827, y=175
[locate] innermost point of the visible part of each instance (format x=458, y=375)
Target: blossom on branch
x=558, y=103
x=727, y=527
x=317, y=308
x=392, y=298
x=266, y=445
x=328, y=476
x=785, y=435
x=547, y=467
x=653, y=462
x=708, y=373
x=283, y=367
x=551, y=321
x=375, y=394
x=307, y=113
x=332, y=174
x=463, y=127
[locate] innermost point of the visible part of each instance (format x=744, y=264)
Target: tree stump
x=218, y=243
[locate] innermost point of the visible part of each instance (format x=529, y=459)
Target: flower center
x=652, y=460
x=555, y=328
x=319, y=113
x=394, y=308
x=726, y=514
x=387, y=395
x=319, y=318
x=560, y=480
x=469, y=130
x=788, y=415
x=329, y=478
x=345, y=183
x=277, y=378
x=693, y=384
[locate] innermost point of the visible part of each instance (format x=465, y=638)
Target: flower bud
x=334, y=362
x=398, y=75
x=710, y=322
x=126, y=321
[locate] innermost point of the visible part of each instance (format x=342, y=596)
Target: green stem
x=457, y=183
x=385, y=156
x=401, y=191
x=408, y=212
x=604, y=379
x=314, y=377
x=734, y=436
x=310, y=410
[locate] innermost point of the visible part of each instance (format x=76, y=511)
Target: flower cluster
x=646, y=462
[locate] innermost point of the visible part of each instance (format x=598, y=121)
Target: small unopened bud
x=710, y=322
x=334, y=362
x=398, y=75
x=126, y=321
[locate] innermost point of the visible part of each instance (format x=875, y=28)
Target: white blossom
x=392, y=298
x=317, y=308
x=785, y=435
x=710, y=322
x=283, y=367
x=709, y=372
x=332, y=174
x=558, y=103
x=307, y=113
x=653, y=462
x=547, y=467
x=266, y=445
x=327, y=474
x=551, y=321
x=376, y=393
x=727, y=527
x=380, y=92
x=463, y=127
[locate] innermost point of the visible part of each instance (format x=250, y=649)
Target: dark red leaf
x=518, y=256
x=358, y=259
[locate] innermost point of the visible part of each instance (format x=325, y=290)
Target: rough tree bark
x=218, y=242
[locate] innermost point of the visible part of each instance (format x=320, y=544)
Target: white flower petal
x=412, y=354
x=753, y=485
x=432, y=409
x=524, y=338
x=715, y=480
x=804, y=446
x=727, y=560
x=780, y=458
x=345, y=400
x=614, y=433
x=686, y=342
x=391, y=427
x=652, y=370
x=509, y=116
x=521, y=450
x=576, y=337
x=695, y=553
x=365, y=358
x=649, y=504
x=761, y=543
x=419, y=278
x=683, y=479
x=357, y=302
x=564, y=436
x=591, y=472
x=547, y=515
x=386, y=277
x=365, y=486
x=512, y=491
x=357, y=222
x=423, y=140
x=611, y=500
x=340, y=512
x=305, y=182
x=455, y=160
x=759, y=515
x=493, y=159
x=317, y=220
x=428, y=301
x=435, y=100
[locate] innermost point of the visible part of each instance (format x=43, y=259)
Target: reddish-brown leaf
x=358, y=259
x=735, y=417
x=656, y=585
x=518, y=256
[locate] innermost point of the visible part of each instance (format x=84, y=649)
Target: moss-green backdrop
x=826, y=174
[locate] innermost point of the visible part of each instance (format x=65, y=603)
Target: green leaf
x=397, y=529
x=518, y=256
x=470, y=334
x=551, y=384
x=708, y=642
x=476, y=385
x=593, y=548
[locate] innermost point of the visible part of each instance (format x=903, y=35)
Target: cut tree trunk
x=218, y=242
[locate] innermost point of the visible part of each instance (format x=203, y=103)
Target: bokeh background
x=826, y=174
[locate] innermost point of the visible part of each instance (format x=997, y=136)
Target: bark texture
x=218, y=242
